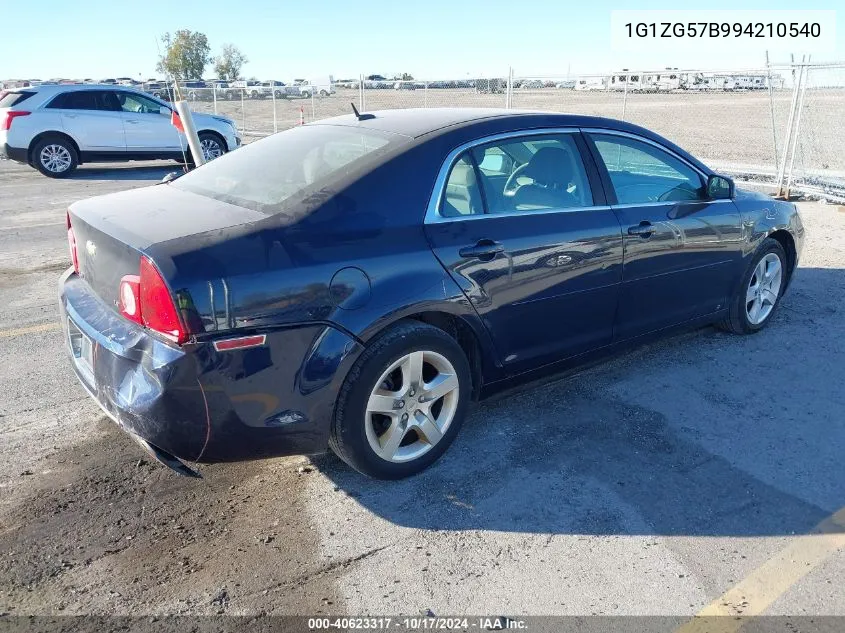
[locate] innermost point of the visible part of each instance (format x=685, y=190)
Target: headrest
x=462, y=175
x=550, y=166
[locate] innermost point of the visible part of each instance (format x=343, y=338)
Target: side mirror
x=720, y=188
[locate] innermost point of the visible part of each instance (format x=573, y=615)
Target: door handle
x=71, y=116
x=485, y=250
x=132, y=121
x=644, y=229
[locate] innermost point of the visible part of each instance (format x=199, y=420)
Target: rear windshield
x=296, y=162
x=11, y=99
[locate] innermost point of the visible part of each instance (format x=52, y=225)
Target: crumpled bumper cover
x=201, y=405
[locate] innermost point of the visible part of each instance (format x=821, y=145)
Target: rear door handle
x=644, y=229
x=484, y=250
x=133, y=121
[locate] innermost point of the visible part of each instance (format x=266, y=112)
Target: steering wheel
x=511, y=186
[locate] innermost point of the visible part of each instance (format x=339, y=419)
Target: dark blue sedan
x=354, y=283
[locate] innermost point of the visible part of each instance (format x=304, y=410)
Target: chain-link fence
x=783, y=120
x=817, y=164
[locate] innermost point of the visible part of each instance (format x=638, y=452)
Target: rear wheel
x=403, y=402
x=55, y=156
x=760, y=290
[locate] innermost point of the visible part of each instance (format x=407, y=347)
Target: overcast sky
x=306, y=38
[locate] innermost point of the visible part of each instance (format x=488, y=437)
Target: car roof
x=74, y=87
x=416, y=122
x=430, y=122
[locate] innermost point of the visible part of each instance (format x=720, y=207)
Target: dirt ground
x=652, y=484
x=725, y=129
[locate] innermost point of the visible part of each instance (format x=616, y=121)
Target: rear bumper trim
x=18, y=154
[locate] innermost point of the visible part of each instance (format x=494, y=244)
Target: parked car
x=490, y=86
x=57, y=128
x=566, y=84
x=530, y=84
x=320, y=86
x=303, y=301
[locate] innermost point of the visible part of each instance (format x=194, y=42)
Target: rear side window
x=533, y=173
x=462, y=195
x=299, y=161
x=85, y=100
x=12, y=99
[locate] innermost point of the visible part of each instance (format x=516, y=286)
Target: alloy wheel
x=55, y=158
x=412, y=405
x=763, y=289
x=211, y=148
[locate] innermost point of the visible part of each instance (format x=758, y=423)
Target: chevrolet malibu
x=355, y=283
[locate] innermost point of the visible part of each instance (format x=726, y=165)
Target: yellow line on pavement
x=44, y=327
x=757, y=591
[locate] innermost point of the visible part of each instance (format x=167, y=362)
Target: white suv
x=57, y=128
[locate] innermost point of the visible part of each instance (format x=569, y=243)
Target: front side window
x=641, y=172
x=131, y=102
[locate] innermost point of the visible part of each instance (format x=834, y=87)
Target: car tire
x=209, y=139
x=55, y=156
x=306, y=94
x=323, y=93
x=760, y=290
x=418, y=429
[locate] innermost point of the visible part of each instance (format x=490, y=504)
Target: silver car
x=57, y=128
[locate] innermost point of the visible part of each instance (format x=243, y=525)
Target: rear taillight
x=10, y=116
x=155, y=304
x=71, y=242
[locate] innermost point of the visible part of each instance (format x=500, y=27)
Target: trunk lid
x=113, y=231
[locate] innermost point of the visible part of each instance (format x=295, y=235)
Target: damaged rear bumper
x=195, y=404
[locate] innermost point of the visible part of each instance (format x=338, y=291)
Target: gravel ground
x=650, y=484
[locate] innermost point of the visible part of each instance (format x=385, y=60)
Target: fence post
x=214, y=96
x=788, y=140
x=361, y=93
x=797, y=127
x=243, y=112
x=772, y=108
x=509, y=88
x=625, y=98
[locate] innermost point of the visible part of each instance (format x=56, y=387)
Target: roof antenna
x=359, y=116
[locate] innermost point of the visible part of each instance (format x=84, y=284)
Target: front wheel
x=760, y=290
x=402, y=403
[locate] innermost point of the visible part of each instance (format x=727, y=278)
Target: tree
x=186, y=54
x=229, y=63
